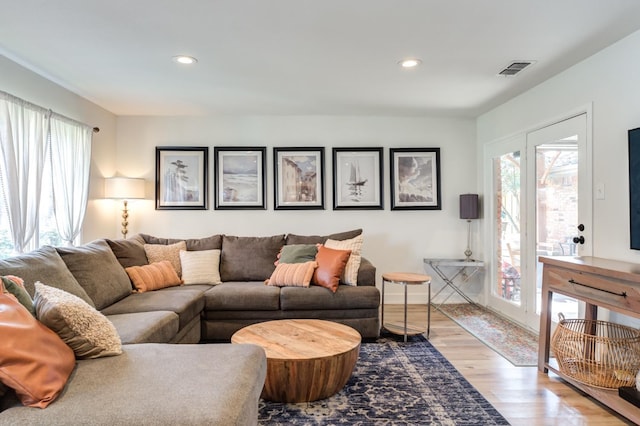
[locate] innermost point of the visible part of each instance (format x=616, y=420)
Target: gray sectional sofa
x=192, y=383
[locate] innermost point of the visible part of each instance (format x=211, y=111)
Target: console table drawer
x=607, y=291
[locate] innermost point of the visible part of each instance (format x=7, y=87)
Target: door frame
x=522, y=314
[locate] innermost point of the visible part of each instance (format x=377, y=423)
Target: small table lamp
x=469, y=210
x=125, y=189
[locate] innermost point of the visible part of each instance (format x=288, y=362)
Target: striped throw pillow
x=292, y=274
x=350, y=274
x=200, y=267
x=153, y=276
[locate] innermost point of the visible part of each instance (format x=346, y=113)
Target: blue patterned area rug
x=394, y=383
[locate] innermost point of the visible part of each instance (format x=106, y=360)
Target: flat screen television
x=634, y=187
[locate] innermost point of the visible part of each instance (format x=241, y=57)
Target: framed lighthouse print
x=415, y=179
x=357, y=178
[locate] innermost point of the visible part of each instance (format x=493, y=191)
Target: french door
x=539, y=203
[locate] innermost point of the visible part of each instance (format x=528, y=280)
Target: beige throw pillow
x=170, y=252
x=85, y=330
x=200, y=267
x=350, y=274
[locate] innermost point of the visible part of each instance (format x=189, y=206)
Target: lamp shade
x=123, y=188
x=469, y=206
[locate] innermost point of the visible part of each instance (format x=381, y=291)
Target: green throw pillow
x=20, y=293
x=298, y=253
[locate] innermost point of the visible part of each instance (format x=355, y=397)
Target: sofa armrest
x=366, y=273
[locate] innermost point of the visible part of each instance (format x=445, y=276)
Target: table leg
x=428, y=308
x=382, y=310
x=405, y=313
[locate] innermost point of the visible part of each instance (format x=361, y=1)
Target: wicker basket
x=597, y=353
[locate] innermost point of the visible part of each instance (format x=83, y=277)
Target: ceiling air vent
x=514, y=68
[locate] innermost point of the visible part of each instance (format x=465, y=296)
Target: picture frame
x=298, y=178
x=240, y=178
x=357, y=178
x=415, y=179
x=181, y=178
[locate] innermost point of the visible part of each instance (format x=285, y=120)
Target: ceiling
x=305, y=56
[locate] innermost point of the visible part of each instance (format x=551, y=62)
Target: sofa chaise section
x=156, y=384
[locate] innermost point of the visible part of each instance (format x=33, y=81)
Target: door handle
x=581, y=227
x=578, y=240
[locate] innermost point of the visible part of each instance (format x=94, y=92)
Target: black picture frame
x=240, y=178
x=298, y=178
x=634, y=188
x=181, y=177
x=415, y=179
x=357, y=179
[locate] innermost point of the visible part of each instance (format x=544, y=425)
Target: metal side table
x=406, y=279
x=465, y=269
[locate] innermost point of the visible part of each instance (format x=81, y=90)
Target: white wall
x=31, y=87
x=393, y=240
x=610, y=82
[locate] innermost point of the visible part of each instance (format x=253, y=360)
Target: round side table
x=406, y=279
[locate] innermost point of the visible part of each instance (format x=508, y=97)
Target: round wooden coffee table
x=307, y=359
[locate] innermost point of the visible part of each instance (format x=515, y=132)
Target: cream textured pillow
x=350, y=274
x=292, y=274
x=170, y=252
x=85, y=330
x=200, y=267
x=153, y=276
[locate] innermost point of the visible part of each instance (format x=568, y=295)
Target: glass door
x=539, y=199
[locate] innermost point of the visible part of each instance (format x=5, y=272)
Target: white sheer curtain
x=70, y=164
x=23, y=145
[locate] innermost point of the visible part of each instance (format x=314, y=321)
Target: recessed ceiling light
x=409, y=62
x=184, y=60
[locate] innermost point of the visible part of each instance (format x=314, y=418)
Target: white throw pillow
x=200, y=267
x=350, y=274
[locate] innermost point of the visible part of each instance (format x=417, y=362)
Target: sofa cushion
x=214, y=242
x=317, y=298
x=34, y=361
x=297, y=253
x=292, y=274
x=15, y=286
x=170, y=252
x=158, y=384
x=186, y=301
x=146, y=327
x=249, y=258
x=320, y=239
x=242, y=296
x=350, y=274
x=331, y=264
x=97, y=270
x=43, y=264
x=128, y=252
x=154, y=276
x=85, y=330
x=200, y=267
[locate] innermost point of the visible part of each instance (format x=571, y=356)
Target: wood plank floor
x=521, y=394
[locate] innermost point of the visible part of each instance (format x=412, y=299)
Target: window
x=38, y=148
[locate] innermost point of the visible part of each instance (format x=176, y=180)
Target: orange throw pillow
x=292, y=274
x=34, y=361
x=331, y=264
x=153, y=276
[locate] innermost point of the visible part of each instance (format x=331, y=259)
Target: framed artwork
x=415, y=179
x=240, y=177
x=357, y=178
x=181, y=178
x=298, y=178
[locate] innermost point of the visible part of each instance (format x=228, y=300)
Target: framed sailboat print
x=357, y=178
